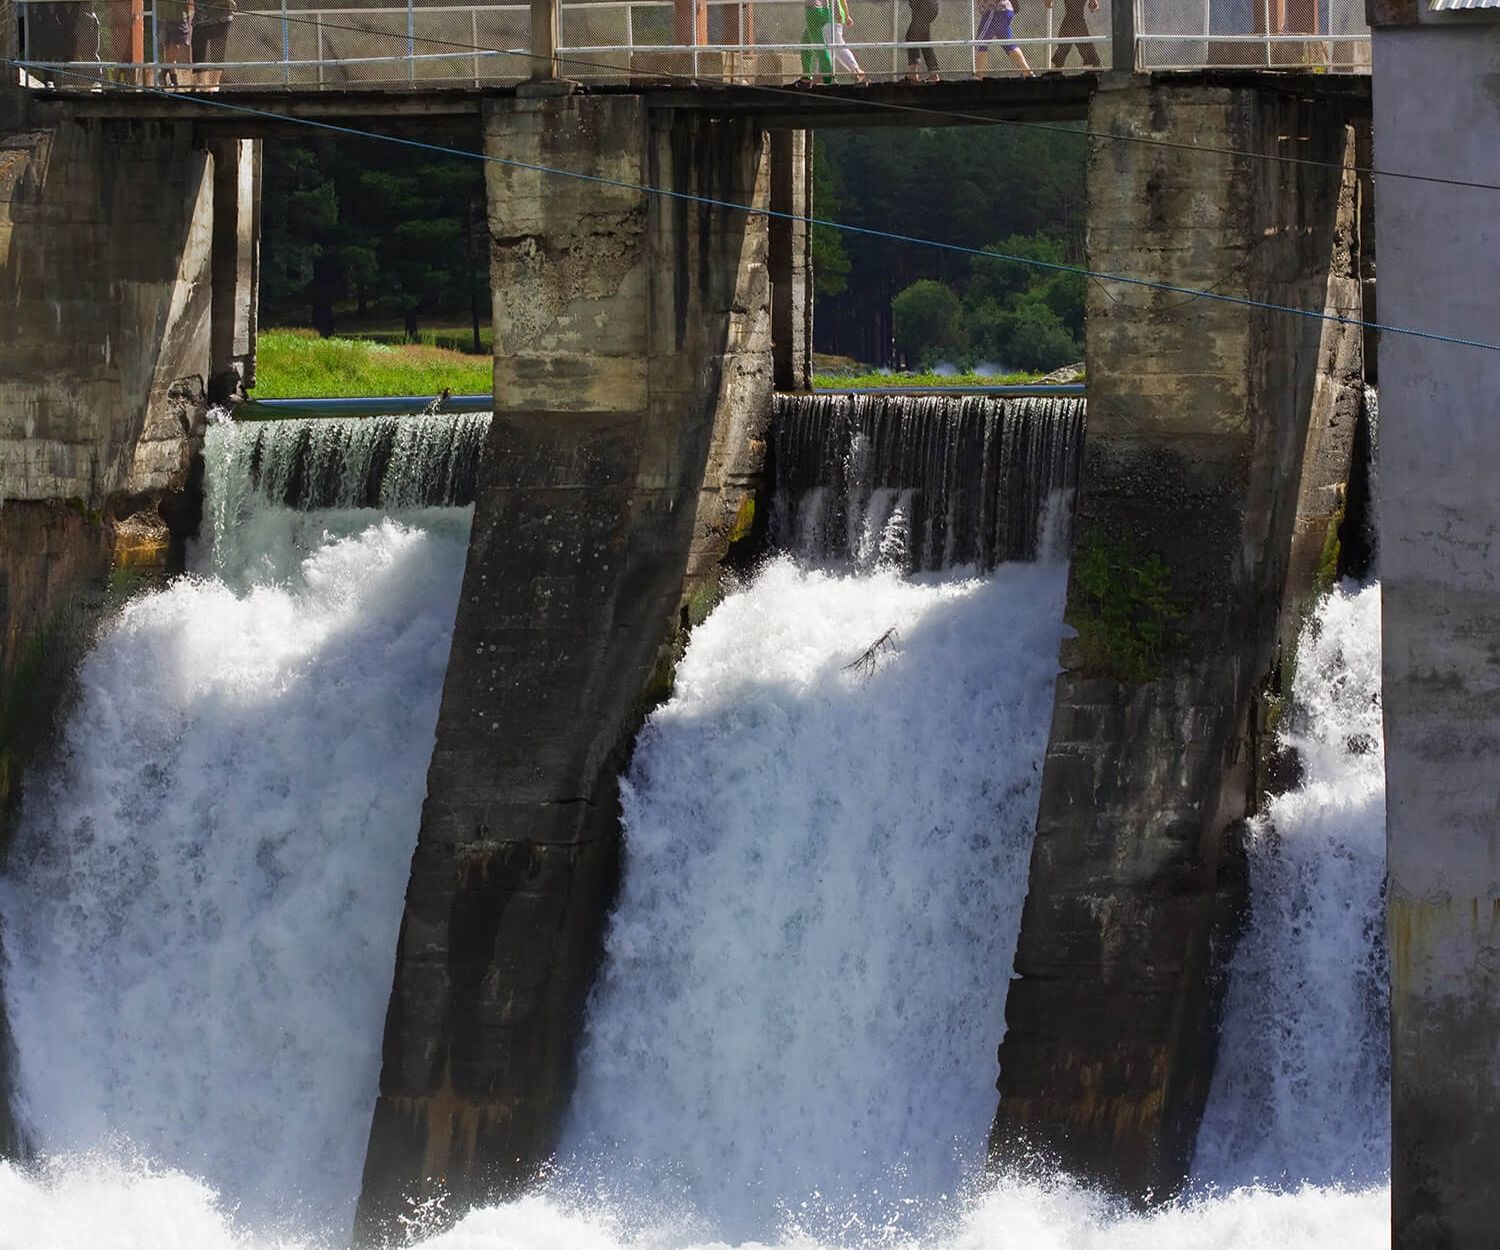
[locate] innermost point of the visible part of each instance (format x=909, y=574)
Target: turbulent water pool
x=827, y=832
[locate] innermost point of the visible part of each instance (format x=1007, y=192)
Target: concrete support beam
x=1122, y=36
x=105, y=243
x=545, y=34
x=791, y=258
x=236, y=267
x=1440, y=577
x=632, y=367
x=1199, y=428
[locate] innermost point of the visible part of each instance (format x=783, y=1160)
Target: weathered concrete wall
x=236, y=268
x=105, y=236
x=1199, y=416
x=1440, y=577
x=633, y=353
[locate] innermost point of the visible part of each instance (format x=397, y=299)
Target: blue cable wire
x=865, y=231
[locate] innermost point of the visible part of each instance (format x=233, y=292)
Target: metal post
x=973, y=36
x=8, y=47
x=474, y=41
x=1122, y=35
x=544, y=40
x=286, y=45
x=411, y=41
x=895, y=47
x=318, y=25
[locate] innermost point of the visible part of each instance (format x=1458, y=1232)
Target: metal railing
x=1328, y=36
x=123, y=43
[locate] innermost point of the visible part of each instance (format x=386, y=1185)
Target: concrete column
x=791, y=258
x=1199, y=417
x=544, y=39
x=105, y=240
x=1122, y=36
x=236, y=267
x=632, y=363
x=1440, y=576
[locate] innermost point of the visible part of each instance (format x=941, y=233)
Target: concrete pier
x=1440, y=588
x=632, y=366
x=1214, y=451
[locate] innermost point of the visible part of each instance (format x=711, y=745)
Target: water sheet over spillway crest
x=968, y=480
x=365, y=462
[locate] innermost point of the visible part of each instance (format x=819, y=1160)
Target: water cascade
x=826, y=858
x=792, y=1042
x=201, y=900
x=970, y=476
x=1302, y=1088
x=391, y=463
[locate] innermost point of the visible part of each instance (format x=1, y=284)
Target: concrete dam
x=681, y=809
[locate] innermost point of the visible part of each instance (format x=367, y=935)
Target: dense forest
x=1012, y=189
x=359, y=235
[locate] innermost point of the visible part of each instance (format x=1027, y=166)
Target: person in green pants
x=825, y=25
x=816, y=60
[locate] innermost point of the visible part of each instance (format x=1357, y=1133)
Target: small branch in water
x=865, y=665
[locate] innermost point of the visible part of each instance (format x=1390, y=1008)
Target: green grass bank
x=297, y=364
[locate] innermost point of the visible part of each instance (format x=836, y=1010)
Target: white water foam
x=201, y=900
x=1302, y=1087
x=94, y=1203
x=824, y=871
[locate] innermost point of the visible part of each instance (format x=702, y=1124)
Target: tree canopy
x=1012, y=189
x=379, y=228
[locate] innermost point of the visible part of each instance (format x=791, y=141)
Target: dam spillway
x=201, y=900
x=387, y=462
x=971, y=476
x=793, y=1037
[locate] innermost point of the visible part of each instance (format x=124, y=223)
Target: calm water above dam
x=793, y=1040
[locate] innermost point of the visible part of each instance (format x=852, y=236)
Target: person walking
x=1076, y=26
x=815, y=58
x=210, y=33
x=833, y=36
x=824, y=25
x=174, y=23
x=923, y=13
x=995, y=18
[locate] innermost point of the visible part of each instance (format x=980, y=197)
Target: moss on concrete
x=1124, y=608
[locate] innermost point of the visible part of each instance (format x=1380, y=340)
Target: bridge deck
x=262, y=113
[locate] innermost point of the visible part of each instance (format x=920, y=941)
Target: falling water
x=970, y=477
x=827, y=835
x=827, y=827
x=200, y=903
x=1302, y=1089
x=391, y=463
